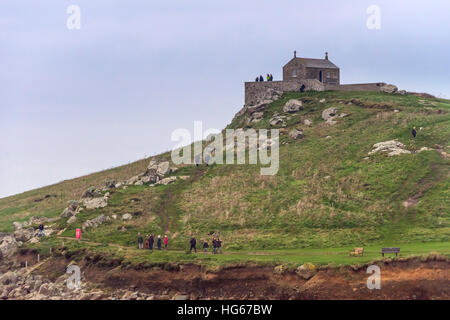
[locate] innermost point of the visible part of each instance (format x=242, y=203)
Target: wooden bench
x=357, y=252
x=390, y=250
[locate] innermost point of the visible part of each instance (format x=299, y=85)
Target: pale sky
x=73, y=102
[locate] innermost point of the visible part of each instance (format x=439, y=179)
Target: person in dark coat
x=41, y=230
x=151, y=241
x=302, y=88
x=193, y=245
x=414, y=132
x=140, y=240
x=257, y=79
x=159, y=243
x=214, y=244
x=261, y=79
x=219, y=245
x=205, y=246
x=271, y=77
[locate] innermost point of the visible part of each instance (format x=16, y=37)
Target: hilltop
x=350, y=175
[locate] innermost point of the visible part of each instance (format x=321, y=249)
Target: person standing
x=219, y=245
x=261, y=79
x=41, y=230
x=140, y=241
x=158, y=243
x=193, y=245
x=414, y=132
x=147, y=242
x=257, y=79
x=205, y=246
x=151, y=241
x=166, y=242
x=214, y=244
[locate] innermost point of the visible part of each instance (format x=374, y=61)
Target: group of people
x=269, y=77
x=216, y=243
x=149, y=241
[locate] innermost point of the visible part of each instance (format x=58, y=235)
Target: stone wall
x=356, y=87
x=256, y=92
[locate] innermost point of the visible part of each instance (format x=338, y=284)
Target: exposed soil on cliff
x=400, y=279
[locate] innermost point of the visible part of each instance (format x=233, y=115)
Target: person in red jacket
x=166, y=242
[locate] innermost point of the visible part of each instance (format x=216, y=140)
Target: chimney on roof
x=295, y=54
x=326, y=55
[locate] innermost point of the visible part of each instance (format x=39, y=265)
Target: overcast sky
x=73, y=102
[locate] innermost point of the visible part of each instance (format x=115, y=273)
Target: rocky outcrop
x=93, y=223
x=293, y=106
x=329, y=113
x=127, y=216
x=8, y=246
x=391, y=147
x=95, y=203
x=296, y=134
x=306, y=271
x=167, y=180
x=389, y=88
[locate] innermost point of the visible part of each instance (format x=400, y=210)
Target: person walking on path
x=193, y=245
x=147, y=244
x=205, y=246
x=151, y=241
x=140, y=241
x=414, y=132
x=159, y=242
x=166, y=241
x=214, y=244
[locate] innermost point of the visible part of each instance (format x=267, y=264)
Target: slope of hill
x=328, y=191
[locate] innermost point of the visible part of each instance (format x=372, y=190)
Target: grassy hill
x=328, y=192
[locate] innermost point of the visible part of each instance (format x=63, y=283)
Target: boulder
x=24, y=234
x=389, y=88
x=73, y=205
x=68, y=212
x=8, y=278
x=167, y=180
x=322, y=100
x=163, y=169
x=392, y=147
x=296, y=134
x=307, y=122
x=93, y=223
x=127, y=216
x=110, y=184
x=276, y=120
x=95, y=203
x=292, y=106
x=89, y=193
x=306, y=271
x=132, y=180
x=329, y=113
x=17, y=225
x=72, y=219
x=279, y=269
x=8, y=246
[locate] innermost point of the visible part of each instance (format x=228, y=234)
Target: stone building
x=306, y=68
x=304, y=74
